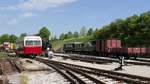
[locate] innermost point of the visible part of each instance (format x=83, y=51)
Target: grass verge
x=3, y=55
x=57, y=45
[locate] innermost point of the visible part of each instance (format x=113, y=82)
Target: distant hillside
x=57, y=45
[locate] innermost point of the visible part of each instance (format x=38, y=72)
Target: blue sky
x=28, y=16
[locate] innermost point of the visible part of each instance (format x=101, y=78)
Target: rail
x=15, y=65
x=102, y=60
x=73, y=76
x=110, y=74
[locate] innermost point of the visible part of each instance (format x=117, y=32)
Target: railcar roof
x=32, y=37
x=74, y=43
x=21, y=39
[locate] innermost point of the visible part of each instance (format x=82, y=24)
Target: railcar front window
x=29, y=43
x=33, y=43
x=37, y=43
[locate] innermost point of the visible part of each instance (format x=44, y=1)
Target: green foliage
x=134, y=30
x=76, y=34
x=54, y=38
x=3, y=55
x=23, y=35
x=57, y=45
x=13, y=38
x=69, y=35
x=90, y=31
x=62, y=36
x=4, y=38
x=8, y=38
x=44, y=33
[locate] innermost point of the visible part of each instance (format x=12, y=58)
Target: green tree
x=90, y=31
x=66, y=36
x=44, y=33
x=134, y=30
x=54, y=38
x=4, y=38
x=12, y=38
x=23, y=35
x=62, y=36
x=76, y=34
x=69, y=35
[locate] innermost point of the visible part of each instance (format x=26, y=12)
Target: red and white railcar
x=29, y=45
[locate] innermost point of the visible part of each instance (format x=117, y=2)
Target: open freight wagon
x=129, y=52
x=103, y=47
x=113, y=47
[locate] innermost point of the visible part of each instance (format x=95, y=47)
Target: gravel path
x=49, y=76
x=45, y=78
x=42, y=77
x=14, y=79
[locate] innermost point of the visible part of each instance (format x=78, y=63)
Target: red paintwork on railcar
x=130, y=50
x=113, y=43
x=29, y=50
x=143, y=50
x=107, y=45
x=137, y=50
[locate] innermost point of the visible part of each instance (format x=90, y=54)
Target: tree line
x=134, y=30
x=44, y=33
x=83, y=32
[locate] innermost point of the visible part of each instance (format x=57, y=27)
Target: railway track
x=92, y=75
x=75, y=76
x=3, y=74
x=143, y=59
x=101, y=60
x=15, y=65
x=3, y=78
x=2, y=70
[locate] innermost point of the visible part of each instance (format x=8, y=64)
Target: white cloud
x=30, y=7
x=21, y=17
x=38, y=4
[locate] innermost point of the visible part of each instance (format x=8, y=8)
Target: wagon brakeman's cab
x=29, y=45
